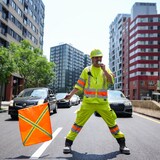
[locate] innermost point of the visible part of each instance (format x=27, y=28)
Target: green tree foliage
x=43, y=73
x=7, y=66
x=32, y=65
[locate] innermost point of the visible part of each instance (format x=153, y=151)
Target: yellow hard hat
x=96, y=53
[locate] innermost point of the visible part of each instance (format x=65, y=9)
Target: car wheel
x=14, y=117
x=130, y=115
x=55, y=110
x=69, y=104
x=49, y=109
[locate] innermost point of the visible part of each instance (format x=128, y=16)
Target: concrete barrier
x=5, y=103
x=4, y=106
x=147, y=107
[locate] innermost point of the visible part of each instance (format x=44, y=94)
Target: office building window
x=21, y=1
x=19, y=12
x=6, y=1
x=142, y=83
x=12, y=18
x=13, y=5
x=150, y=19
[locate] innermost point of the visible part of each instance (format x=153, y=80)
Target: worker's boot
x=123, y=149
x=67, y=148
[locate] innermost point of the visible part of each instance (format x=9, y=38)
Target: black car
x=119, y=103
x=31, y=97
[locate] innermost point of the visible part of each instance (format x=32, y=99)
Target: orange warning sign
x=34, y=124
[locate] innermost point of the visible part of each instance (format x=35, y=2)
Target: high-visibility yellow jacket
x=94, y=84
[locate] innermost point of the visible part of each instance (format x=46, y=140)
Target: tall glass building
x=69, y=63
x=115, y=48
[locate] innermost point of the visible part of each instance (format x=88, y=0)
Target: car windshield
x=60, y=95
x=113, y=95
x=33, y=93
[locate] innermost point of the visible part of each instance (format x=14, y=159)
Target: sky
x=83, y=24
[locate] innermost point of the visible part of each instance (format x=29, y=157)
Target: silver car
x=61, y=102
x=75, y=100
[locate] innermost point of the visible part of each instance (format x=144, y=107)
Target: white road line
x=151, y=119
x=43, y=147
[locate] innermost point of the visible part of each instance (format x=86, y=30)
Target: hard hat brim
x=97, y=56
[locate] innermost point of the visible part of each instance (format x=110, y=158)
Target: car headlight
x=11, y=103
x=127, y=103
x=66, y=100
x=41, y=101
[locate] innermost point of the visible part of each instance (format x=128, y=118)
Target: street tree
x=32, y=65
x=43, y=72
x=7, y=66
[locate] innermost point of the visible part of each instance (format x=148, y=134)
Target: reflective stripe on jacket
x=94, y=84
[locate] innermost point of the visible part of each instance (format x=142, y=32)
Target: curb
x=2, y=110
x=147, y=115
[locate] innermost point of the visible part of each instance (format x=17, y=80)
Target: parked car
x=61, y=102
x=75, y=100
x=119, y=103
x=31, y=97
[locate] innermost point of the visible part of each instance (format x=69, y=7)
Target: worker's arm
x=109, y=75
x=78, y=87
x=68, y=96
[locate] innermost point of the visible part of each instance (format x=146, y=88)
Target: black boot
x=123, y=149
x=67, y=148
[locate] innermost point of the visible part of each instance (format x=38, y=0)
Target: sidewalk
x=4, y=106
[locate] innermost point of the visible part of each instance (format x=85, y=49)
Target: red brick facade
x=144, y=56
x=13, y=87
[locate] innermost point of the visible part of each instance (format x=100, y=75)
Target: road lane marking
x=43, y=147
x=154, y=120
x=75, y=111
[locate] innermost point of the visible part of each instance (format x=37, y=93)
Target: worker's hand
x=102, y=66
x=68, y=97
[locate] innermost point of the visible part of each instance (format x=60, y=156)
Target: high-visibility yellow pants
x=84, y=113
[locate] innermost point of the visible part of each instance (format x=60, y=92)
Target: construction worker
x=94, y=81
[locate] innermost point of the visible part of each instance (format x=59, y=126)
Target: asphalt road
x=93, y=143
